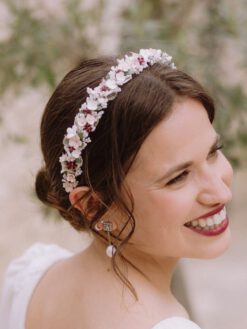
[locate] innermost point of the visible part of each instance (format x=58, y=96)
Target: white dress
x=24, y=273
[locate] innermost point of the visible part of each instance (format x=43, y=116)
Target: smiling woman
x=130, y=155
x=197, y=178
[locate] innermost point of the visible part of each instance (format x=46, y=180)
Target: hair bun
x=42, y=185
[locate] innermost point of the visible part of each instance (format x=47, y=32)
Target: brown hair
x=143, y=102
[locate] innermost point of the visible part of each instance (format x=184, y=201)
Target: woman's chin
x=215, y=247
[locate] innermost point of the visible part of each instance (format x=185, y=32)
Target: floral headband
x=91, y=111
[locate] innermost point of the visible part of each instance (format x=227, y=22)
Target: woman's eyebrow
x=186, y=164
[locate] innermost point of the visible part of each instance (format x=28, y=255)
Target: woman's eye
x=215, y=151
x=178, y=178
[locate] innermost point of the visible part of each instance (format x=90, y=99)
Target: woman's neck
x=147, y=270
x=151, y=280
x=157, y=271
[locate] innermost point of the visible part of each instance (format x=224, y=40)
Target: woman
x=130, y=155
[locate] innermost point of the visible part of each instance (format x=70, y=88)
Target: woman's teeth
x=210, y=222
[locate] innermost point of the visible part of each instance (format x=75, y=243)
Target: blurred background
x=40, y=40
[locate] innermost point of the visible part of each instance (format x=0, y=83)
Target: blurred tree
x=43, y=45
x=197, y=34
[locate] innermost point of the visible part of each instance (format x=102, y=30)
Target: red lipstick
x=211, y=213
x=208, y=224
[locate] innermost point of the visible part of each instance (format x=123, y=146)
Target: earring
x=108, y=228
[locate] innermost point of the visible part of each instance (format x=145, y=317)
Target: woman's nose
x=215, y=188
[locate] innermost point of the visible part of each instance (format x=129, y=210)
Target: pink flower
x=91, y=104
x=71, y=132
x=70, y=178
x=69, y=186
x=80, y=119
x=90, y=119
x=75, y=142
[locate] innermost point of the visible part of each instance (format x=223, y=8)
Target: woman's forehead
x=186, y=130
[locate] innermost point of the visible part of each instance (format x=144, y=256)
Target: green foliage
x=41, y=47
x=18, y=139
x=197, y=33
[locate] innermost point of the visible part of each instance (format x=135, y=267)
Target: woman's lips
x=215, y=211
x=212, y=225
x=214, y=231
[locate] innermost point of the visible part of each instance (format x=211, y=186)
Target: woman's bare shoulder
x=55, y=294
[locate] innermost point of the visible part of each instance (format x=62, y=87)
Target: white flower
x=80, y=120
x=166, y=58
x=63, y=158
x=78, y=172
x=122, y=78
x=87, y=140
x=122, y=65
x=91, y=119
x=102, y=101
x=82, y=108
x=71, y=132
x=67, y=157
x=149, y=54
x=111, y=83
x=70, y=178
x=91, y=104
x=92, y=92
x=64, y=167
x=99, y=115
x=68, y=186
x=76, y=153
x=137, y=64
x=75, y=142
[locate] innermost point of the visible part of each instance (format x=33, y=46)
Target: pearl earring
x=107, y=226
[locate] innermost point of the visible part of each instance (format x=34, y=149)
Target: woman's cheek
x=175, y=203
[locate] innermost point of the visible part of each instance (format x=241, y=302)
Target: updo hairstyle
x=143, y=102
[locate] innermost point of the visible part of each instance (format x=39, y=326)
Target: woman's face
x=178, y=176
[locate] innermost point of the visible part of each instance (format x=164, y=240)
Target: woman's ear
x=83, y=199
x=79, y=200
